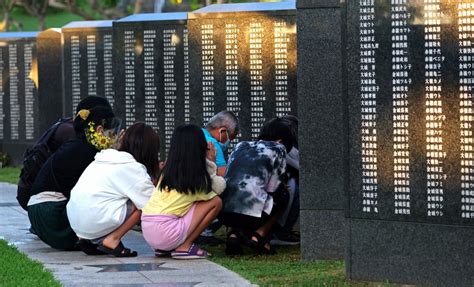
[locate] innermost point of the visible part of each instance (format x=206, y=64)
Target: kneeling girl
x=185, y=201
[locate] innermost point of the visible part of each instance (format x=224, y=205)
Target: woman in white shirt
x=107, y=200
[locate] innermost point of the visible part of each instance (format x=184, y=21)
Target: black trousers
x=23, y=194
x=251, y=223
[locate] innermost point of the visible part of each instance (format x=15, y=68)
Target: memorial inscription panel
x=3, y=81
x=29, y=89
x=19, y=88
x=411, y=110
x=152, y=72
x=19, y=113
x=87, y=62
x=243, y=58
x=14, y=105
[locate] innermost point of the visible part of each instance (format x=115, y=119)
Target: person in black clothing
x=64, y=133
x=256, y=194
x=95, y=129
x=283, y=233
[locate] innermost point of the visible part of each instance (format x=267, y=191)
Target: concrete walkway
x=78, y=269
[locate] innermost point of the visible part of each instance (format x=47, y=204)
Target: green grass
x=16, y=269
x=285, y=268
x=9, y=174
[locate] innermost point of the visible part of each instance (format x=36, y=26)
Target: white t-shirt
x=98, y=203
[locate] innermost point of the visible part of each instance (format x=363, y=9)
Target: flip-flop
x=192, y=253
x=119, y=251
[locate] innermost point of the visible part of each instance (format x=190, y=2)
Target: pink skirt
x=166, y=232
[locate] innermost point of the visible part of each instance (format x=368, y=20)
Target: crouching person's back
x=107, y=200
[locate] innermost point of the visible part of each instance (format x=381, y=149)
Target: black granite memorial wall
x=152, y=71
x=410, y=94
x=323, y=135
x=242, y=58
x=3, y=88
x=50, y=78
x=88, y=65
x=19, y=112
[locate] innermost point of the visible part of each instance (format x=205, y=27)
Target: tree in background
x=93, y=9
x=36, y=8
x=90, y=9
x=7, y=7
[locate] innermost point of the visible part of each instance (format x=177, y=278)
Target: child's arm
x=217, y=182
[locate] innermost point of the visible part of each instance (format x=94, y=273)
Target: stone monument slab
x=410, y=102
x=50, y=78
x=19, y=92
x=3, y=88
x=88, y=68
x=323, y=130
x=152, y=71
x=243, y=59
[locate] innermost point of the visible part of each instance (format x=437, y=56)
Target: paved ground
x=78, y=269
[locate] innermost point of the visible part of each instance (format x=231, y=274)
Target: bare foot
x=184, y=247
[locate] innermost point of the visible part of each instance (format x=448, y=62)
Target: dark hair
x=277, y=129
x=143, y=143
x=92, y=101
x=185, y=168
x=292, y=121
x=100, y=115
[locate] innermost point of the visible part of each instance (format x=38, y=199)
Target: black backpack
x=38, y=154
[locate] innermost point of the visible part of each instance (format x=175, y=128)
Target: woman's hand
x=211, y=152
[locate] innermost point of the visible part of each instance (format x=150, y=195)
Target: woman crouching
x=106, y=201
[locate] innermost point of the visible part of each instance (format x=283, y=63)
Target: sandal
x=194, y=252
x=89, y=248
x=119, y=251
x=162, y=253
x=232, y=244
x=259, y=244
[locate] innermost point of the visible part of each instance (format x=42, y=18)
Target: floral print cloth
x=255, y=169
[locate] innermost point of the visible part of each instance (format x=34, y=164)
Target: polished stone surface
x=87, y=62
x=18, y=93
x=77, y=269
x=50, y=87
x=323, y=234
x=410, y=253
x=411, y=212
x=322, y=136
x=130, y=267
x=151, y=72
x=311, y=4
x=243, y=64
